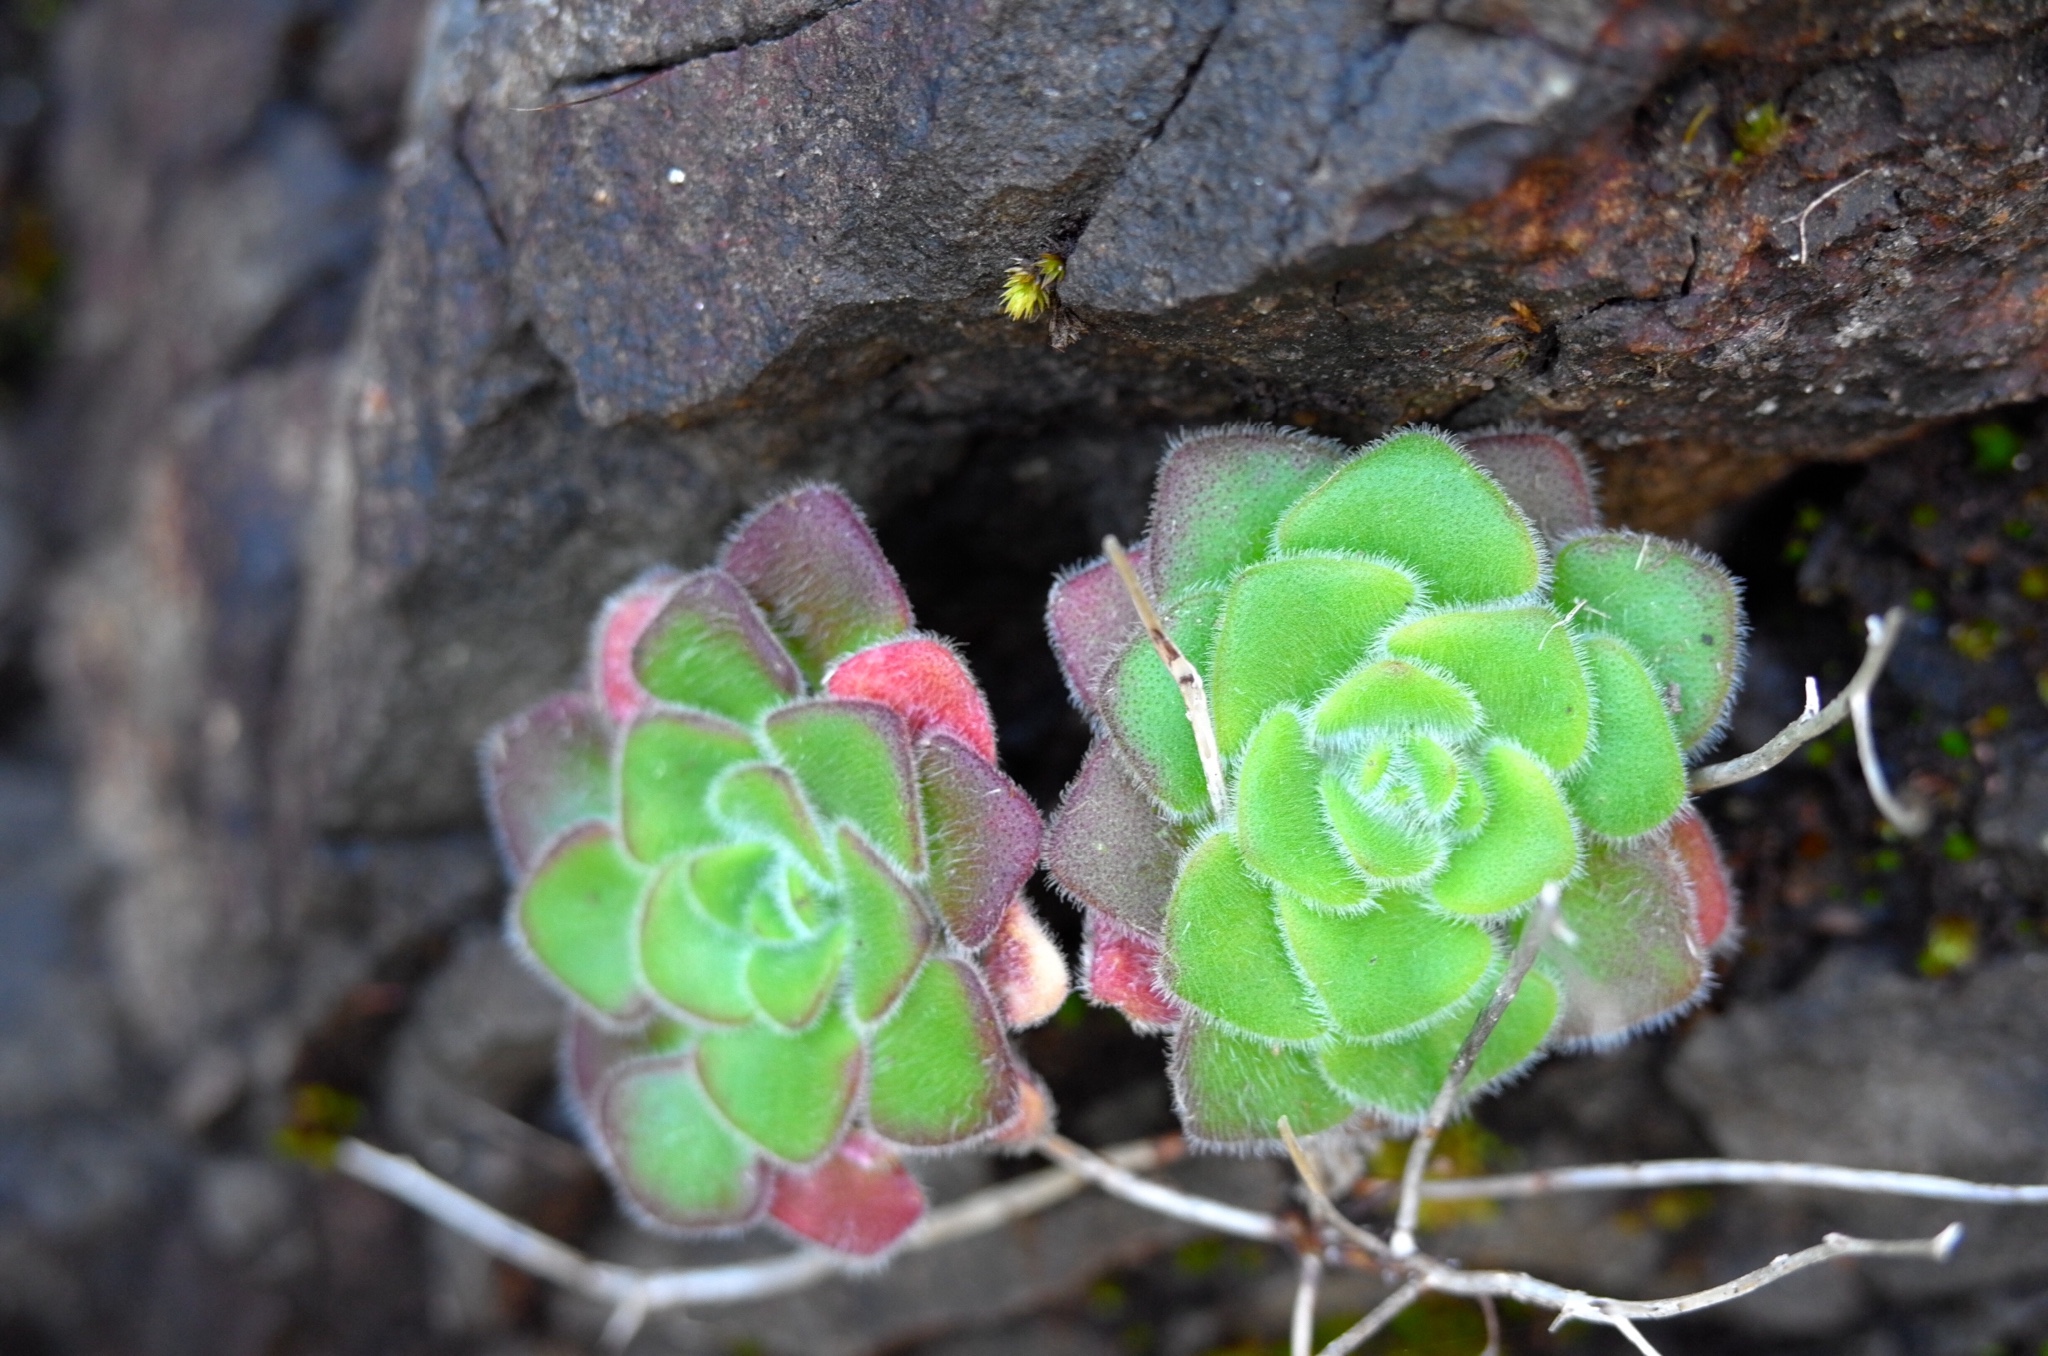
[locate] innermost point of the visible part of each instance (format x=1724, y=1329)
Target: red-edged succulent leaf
x=1123, y=973
x=546, y=770
x=575, y=915
x=709, y=649
x=925, y=682
x=1025, y=968
x=892, y=933
x=619, y=625
x=809, y=560
x=982, y=835
x=1033, y=1116
x=1108, y=846
x=941, y=1072
x=1543, y=473
x=1714, y=913
x=1220, y=491
x=860, y=1200
x=1090, y=620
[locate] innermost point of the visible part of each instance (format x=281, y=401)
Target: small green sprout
x=1951, y=946
x=1976, y=640
x=2034, y=583
x=1758, y=131
x=320, y=1117
x=1995, y=447
x=1030, y=290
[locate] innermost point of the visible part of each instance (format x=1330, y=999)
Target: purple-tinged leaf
x=1220, y=491
x=941, y=1071
x=710, y=650
x=892, y=932
x=809, y=560
x=545, y=770
x=859, y=1201
x=982, y=835
x=1109, y=848
x=1090, y=620
x=1543, y=473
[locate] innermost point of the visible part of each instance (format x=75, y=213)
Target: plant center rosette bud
x=1436, y=687
x=768, y=858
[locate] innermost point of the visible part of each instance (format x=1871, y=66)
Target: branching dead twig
x=1535, y=931
x=1728, y=1172
x=1807, y=211
x=1852, y=703
x=1192, y=694
x=1301, y=1324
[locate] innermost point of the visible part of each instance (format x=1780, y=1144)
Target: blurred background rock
x=337, y=384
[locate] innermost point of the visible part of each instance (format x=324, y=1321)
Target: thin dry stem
x=1323, y=1207
x=1728, y=1172
x=1490, y=1312
x=1807, y=211
x=1911, y=820
x=1884, y=635
x=1161, y=1200
x=1192, y=694
x=1383, y=1313
x=1420, y=1149
x=1301, y=1325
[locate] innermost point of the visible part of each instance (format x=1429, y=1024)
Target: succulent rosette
x=767, y=857
x=1436, y=686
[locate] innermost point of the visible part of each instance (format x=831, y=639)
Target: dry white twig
x=1160, y=1200
x=1911, y=820
x=1535, y=932
x=1728, y=1172
x=1883, y=637
x=1807, y=211
x=1301, y=1325
x=1192, y=694
x=1383, y=1313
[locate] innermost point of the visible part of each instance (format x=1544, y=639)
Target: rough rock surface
x=400, y=331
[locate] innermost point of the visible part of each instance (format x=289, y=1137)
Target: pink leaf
x=859, y=1201
x=983, y=837
x=925, y=681
x=811, y=563
x=1033, y=1116
x=1713, y=914
x=1025, y=968
x=619, y=625
x=1123, y=973
x=1090, y=620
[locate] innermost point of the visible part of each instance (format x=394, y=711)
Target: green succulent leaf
x=1401, y=1077
x=674, y=1155
x=1394, y=695
x=940, y=1074
x=1634, y=780
x=1414, y=498
x=1627, y=954
x=666, y=767
x=1228, y=957
x=764, y=800
x=1220, y=493
x=710, y=649
x=1678, y=609
x=1290, y=628
x=1389, y=968
x=891, y=930
x=1520, y=664
x=1528, y=839
x=1143, y=708
x=1383, y=847
x=791, y=983
x=690, y=962
x=576, y=915
x=853, y=761
x=788, y=1092
x=1282, y=830
x=1233, y=1089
